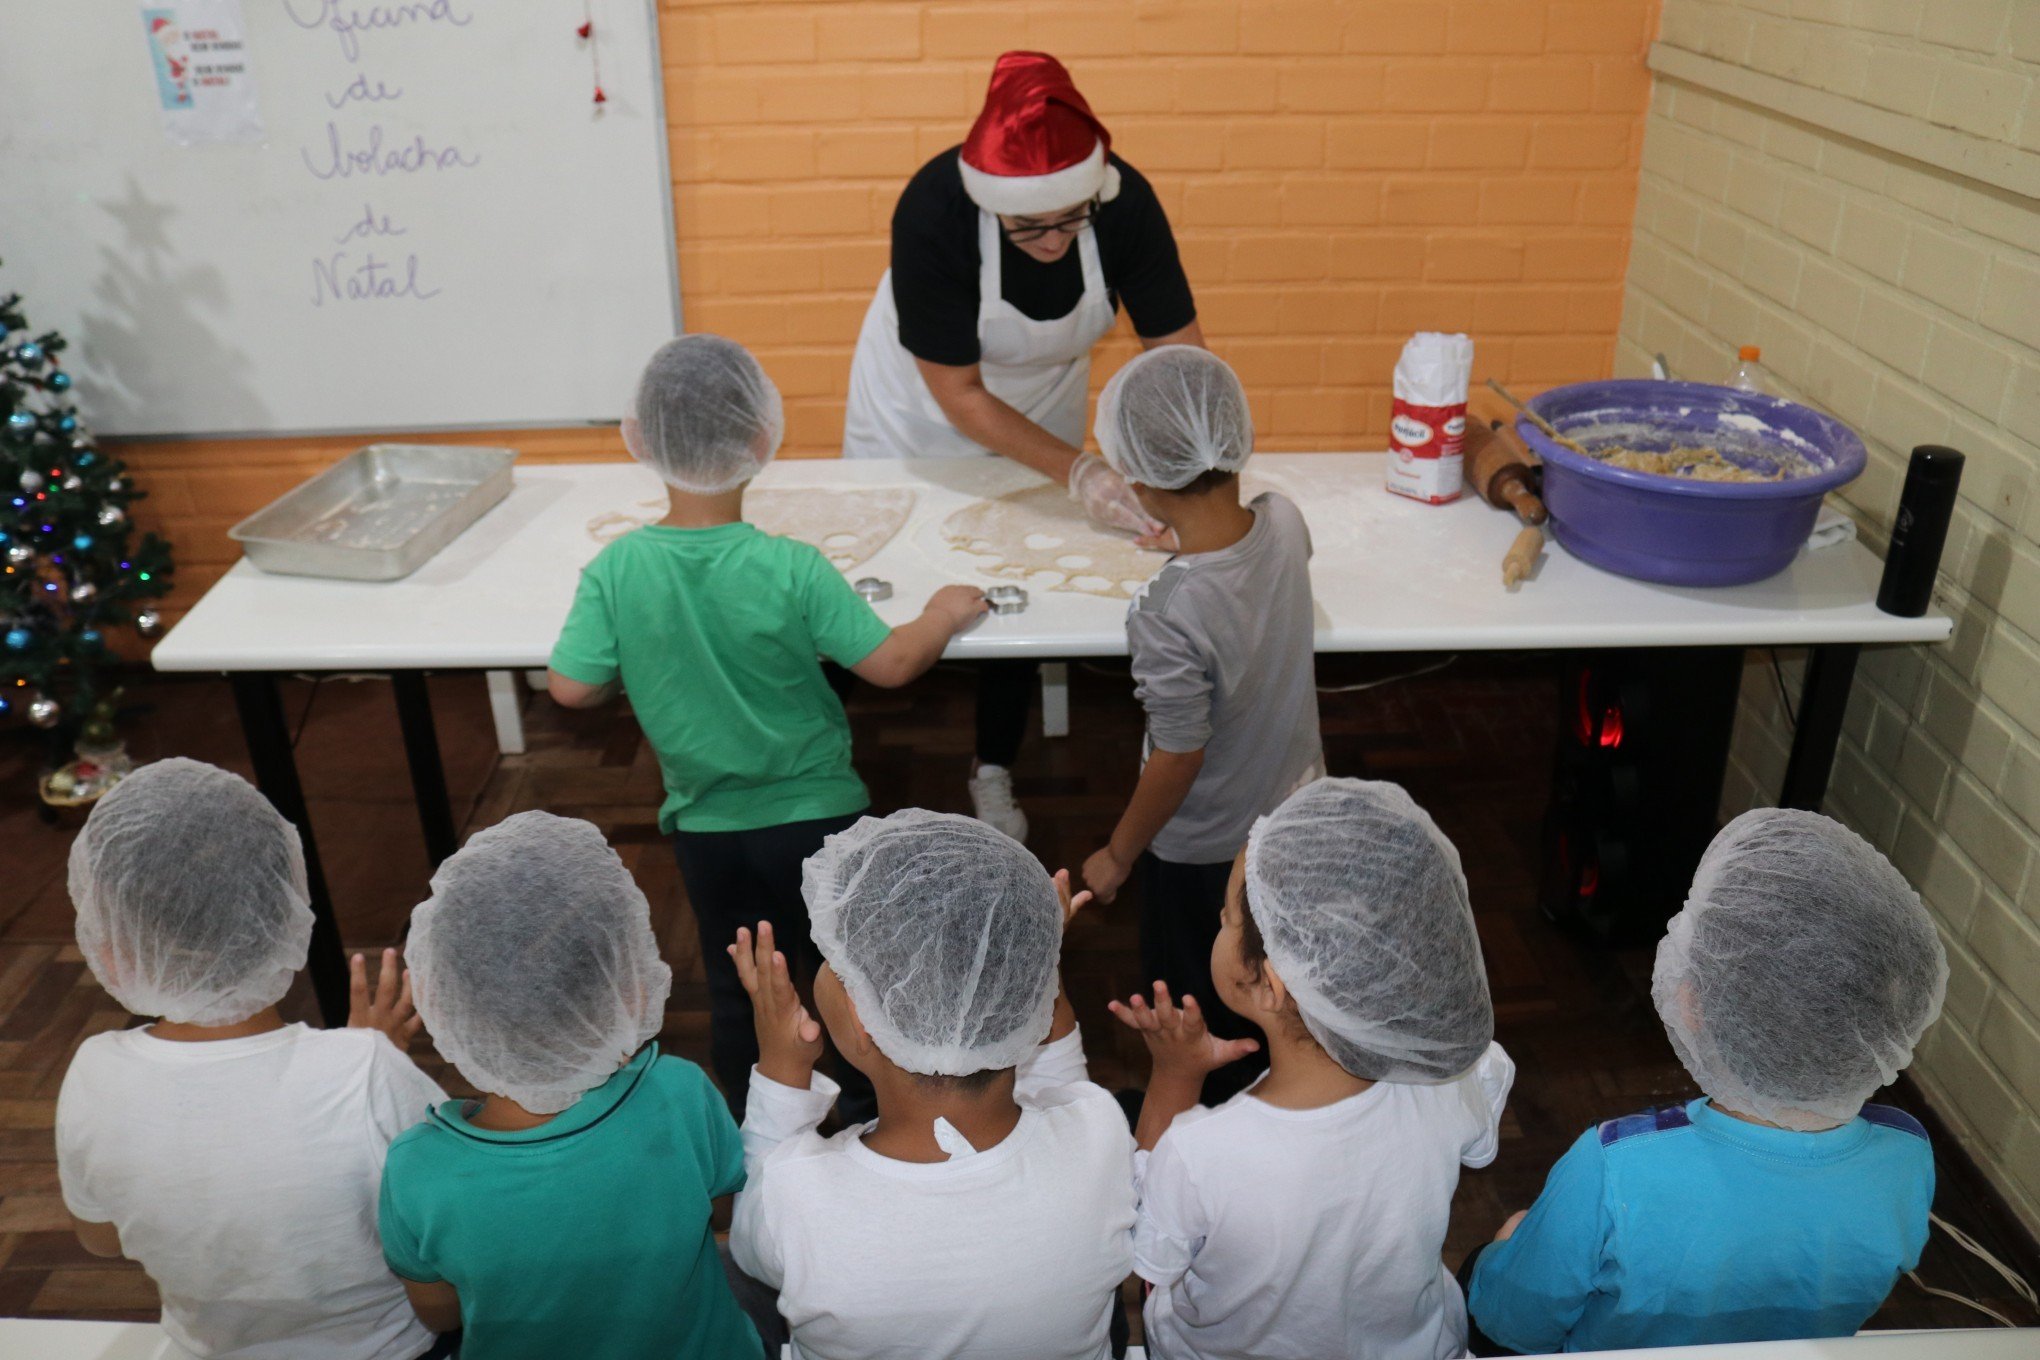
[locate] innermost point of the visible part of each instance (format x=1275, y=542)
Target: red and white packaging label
x=1424, y=444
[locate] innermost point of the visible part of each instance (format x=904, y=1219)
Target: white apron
x=1042, y=369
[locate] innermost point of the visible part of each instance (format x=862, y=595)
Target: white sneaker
x=991, y=801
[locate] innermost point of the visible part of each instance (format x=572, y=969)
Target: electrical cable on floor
x=1388, y=679
x=1976, y=1249
x=1784, y=694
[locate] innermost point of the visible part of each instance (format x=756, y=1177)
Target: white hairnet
x=1363, y=909
x=1172, y=415
x=533, y=961
x=1801, y=972
x=191, y=895
x=708, y=417
x=945, y=933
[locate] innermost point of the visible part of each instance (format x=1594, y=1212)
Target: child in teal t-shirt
x=566, y=1212
x=717, y=631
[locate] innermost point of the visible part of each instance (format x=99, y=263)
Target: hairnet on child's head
x=1172, y=415
x=191, y=895
x=708, y=417
x=1364, y=913
x=533, y=962
x=945, y=933
x=1801, y=971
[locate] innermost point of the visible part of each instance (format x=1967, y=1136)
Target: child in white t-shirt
x=235, y=1157
x=1305, y=1216
x=986, y=1211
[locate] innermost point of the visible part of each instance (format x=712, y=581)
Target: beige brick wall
x=1904, y=297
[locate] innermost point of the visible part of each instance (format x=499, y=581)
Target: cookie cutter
x=1006, y=599
x=872, y=589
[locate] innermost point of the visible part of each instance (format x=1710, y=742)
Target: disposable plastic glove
x=1109, y=500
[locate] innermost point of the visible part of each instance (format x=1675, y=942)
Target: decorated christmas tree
x=70, y=570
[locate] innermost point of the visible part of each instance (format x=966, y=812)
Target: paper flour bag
x=1428, y=424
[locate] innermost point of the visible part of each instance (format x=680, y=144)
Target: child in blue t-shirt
x=1794, y=984
x=566, y=1211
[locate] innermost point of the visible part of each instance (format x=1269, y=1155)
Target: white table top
x=1389, y=575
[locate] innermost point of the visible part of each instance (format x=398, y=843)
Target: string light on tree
x=75, y=569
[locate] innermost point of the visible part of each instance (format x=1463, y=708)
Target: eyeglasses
x=1068, y=226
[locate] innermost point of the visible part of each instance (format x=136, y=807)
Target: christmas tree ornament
x=21, y=420
x=19, y=554
x=148, y=623
x=18, y=639
x=31, y=480
x=82, y=542
x=90, y=637
x=44, y=711
x=84, y=593
x=67, y=423
x=61, y=381
x=110, y=515
x=29, y=353
x=86, y=460
x=73, y=482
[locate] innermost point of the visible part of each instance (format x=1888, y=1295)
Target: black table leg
x=1823, y=699
x=428, y=776
x=268, y=735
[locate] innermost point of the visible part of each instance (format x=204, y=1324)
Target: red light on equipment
x=1596, y=723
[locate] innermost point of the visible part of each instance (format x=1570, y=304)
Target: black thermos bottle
x=1920, y=530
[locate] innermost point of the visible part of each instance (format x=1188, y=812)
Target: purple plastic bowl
x=1670, y=529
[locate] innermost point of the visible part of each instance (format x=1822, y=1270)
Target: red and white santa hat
x=1036, y=147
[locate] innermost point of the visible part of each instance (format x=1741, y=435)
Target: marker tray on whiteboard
x=378, y=514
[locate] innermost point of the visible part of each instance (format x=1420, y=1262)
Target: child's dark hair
x=1206, y=482
x=1253, y=949
x=970, y=1084
x=1254, y=954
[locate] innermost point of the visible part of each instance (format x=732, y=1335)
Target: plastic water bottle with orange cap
x=1749, y=375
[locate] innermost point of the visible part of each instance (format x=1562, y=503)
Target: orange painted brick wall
x=1339, y=172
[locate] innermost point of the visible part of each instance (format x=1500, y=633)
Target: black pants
x=1477, y=1341
x=739, y=878
x=1179, y=910
x=1005, y=691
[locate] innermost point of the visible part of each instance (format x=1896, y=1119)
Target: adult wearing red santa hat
x=1010, y=256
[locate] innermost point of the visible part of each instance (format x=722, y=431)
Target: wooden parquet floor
x=1472, y=743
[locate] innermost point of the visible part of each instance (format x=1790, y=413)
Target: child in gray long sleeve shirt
x=1221, y=641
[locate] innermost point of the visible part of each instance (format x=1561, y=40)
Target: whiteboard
x=437, y=228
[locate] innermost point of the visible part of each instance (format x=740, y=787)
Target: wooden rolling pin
x=1506, y=475
x=1521, y=559
x=1503, y=471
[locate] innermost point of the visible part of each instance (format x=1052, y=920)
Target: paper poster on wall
x=198, y=55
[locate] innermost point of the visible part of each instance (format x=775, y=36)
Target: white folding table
x=1389, y=575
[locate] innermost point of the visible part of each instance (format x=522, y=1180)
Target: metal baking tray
x=378, y=514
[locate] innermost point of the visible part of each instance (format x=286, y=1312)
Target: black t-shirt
x=935, y=265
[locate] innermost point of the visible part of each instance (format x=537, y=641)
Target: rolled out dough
x=848, y=526
x=1041, y=537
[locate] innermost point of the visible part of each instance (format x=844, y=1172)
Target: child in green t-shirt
x=566, y=1212
x=716, y=630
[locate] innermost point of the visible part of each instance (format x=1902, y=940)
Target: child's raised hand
x=1070, y=905
x=789, y=1040
x=389, y=1009
x=1177, y=1040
